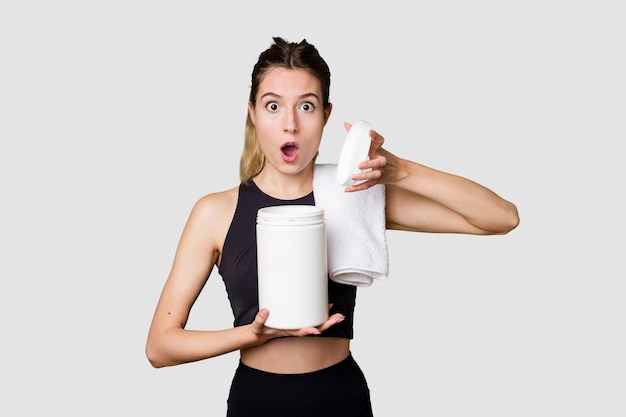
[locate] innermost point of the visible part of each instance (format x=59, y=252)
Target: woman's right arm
x=169, y=343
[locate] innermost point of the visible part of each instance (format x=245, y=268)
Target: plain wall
x=115, y=117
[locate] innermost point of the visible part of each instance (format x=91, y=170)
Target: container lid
x=290, y=215
x=355, y=150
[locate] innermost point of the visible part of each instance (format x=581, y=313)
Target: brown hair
x=281, y=54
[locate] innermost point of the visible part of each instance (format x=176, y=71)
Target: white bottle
x=292, y=265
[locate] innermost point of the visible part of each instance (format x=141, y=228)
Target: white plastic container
x=292, y=265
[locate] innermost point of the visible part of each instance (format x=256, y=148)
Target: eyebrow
x=303, y=96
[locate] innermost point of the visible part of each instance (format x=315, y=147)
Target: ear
x=327, y=112
x=251, y=112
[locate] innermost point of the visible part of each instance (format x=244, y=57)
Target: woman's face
x=289, y=118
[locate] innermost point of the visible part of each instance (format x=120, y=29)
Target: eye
x=272, y=106
x=307, y=106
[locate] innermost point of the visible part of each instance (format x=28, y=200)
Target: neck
x=285, y=186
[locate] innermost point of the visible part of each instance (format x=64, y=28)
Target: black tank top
x=238, y=266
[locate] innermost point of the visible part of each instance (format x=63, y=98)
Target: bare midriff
x=296, y=355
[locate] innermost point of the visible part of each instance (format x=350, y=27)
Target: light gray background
x=115, y=117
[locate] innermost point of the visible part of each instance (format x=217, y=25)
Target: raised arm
x=424, y=199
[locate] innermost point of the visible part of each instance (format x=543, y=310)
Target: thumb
x=261, y=317
x=375, y=144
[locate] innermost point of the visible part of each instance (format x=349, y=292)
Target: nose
x=291, y=121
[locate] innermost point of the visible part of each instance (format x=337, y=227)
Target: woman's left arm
x=420, y=198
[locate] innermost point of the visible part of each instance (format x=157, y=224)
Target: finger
x=261, y=317
x=331, y=321
x=365, y=180
x=377, y=161
x=377, y=138
x=360, y=187
x=306, y=331
x=376, y=143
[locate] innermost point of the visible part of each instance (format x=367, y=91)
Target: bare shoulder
x=218, y=202
x=217, y=208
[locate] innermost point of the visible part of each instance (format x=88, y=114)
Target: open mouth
x=289, y=151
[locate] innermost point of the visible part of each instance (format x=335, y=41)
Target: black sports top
x=238, y=266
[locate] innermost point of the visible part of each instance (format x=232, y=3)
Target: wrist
x=398, y=169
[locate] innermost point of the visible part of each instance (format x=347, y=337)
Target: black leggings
x=339, y=390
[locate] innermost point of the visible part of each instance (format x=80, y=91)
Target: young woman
x=310, y=371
